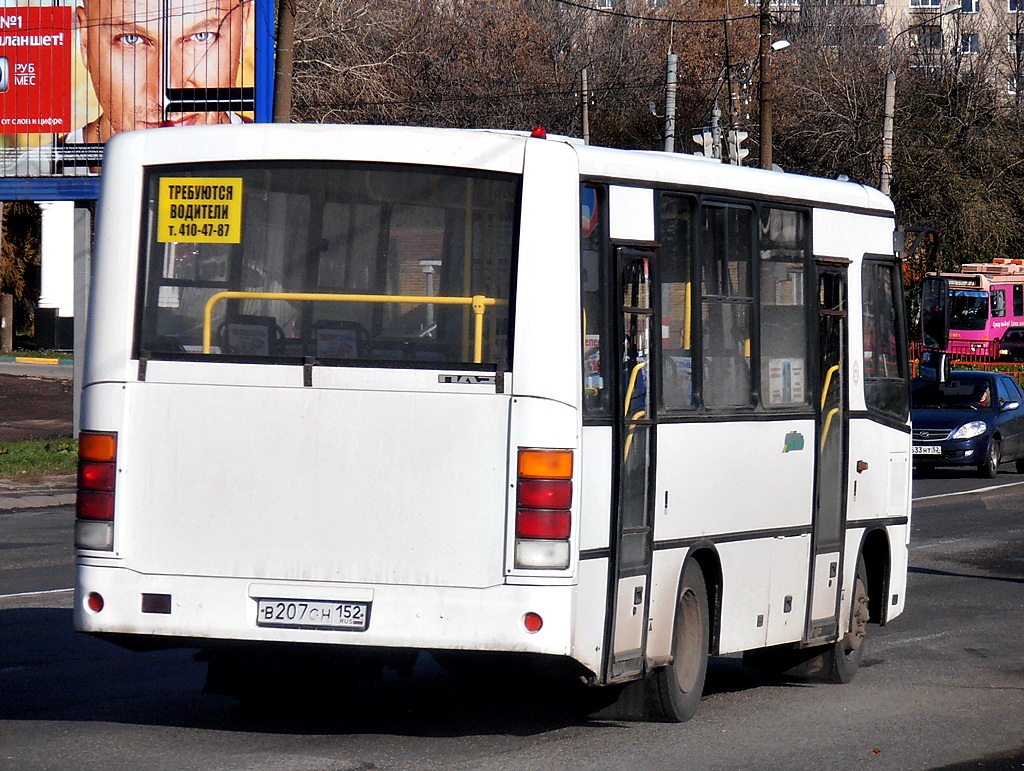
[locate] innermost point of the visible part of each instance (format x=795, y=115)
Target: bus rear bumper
x=145, y=611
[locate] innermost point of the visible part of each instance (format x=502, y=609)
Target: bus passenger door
x=831, y=447
x=632, y=531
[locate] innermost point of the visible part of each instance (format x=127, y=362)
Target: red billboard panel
x=35, y=70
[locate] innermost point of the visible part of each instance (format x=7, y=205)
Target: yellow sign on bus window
x=200, y=210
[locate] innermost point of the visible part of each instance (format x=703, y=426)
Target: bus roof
x=488, y=149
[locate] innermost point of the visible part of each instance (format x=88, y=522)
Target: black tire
x=673, y=692
x=990, y=466
x=842, y=660
x=1019, y=466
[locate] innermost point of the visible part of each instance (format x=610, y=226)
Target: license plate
x=924, y=449
x=313, y=614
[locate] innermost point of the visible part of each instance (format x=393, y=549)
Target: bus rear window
x=349, y=264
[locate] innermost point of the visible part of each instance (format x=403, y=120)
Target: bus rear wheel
x=843, y=659
x=673, y=692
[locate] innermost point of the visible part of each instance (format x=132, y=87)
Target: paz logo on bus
x=794, y=442
x=467, y=379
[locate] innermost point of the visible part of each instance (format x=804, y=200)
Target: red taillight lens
x=96, y=476
x=542, y=523
x=545, y=493
x=95, y=505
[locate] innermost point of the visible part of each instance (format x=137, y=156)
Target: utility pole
x=585, y=95
x=885, y=178
x=765, y=91
x=6, y=300
x=670, y=104
x=284, y=63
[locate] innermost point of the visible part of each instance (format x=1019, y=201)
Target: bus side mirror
x=934, y=365
x=935, y=312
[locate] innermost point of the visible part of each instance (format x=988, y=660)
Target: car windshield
x=955, y=394
x=1013, y=336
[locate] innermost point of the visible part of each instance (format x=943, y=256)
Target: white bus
x=384, y=390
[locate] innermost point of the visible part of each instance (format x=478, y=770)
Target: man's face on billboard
x=125, y=42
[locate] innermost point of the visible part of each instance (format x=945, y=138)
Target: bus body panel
x=223, y=608
x=775, y=458
x=547, y=340
x=595, y=496
x=329, y=514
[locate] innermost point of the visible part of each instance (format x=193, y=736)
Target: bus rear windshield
x=348, y=264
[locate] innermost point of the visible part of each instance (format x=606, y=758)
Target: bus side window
x=593, y=278
x=675, y=263
x=726, y=305
x=783, y=259
x=1018, y=300
x=998, y=303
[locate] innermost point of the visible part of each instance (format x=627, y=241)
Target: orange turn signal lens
x=93, y=445
x=545, y=464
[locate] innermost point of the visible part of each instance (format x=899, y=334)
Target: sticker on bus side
x=200, y=210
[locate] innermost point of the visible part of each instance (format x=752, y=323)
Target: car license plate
x=925, y=449
x=313, y=614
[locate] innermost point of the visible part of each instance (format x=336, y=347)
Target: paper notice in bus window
x=785, y=381
x=200, y=210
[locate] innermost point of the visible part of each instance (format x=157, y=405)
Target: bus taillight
x=94, y=508
x=543, y=508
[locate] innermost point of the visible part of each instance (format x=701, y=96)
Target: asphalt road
x=942, y=687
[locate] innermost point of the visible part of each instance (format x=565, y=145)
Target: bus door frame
x=831, y=450
x=633, y=453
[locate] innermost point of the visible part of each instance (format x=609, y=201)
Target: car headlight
x=969, y=430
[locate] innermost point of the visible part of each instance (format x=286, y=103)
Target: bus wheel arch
x=672, y=693
x=877, y=556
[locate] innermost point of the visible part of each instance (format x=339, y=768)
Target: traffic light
x=736, y=150
x=710, y=148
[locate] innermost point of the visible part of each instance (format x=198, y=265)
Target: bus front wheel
x=673, y=692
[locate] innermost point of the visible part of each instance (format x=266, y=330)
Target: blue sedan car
x=975, y=419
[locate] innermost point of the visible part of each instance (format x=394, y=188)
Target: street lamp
x=885, y=175
x=765, y=94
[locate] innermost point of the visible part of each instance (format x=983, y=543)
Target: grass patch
x=34, y=458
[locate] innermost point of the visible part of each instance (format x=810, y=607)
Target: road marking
x=967, y=492
x=896, y=642
x=34, y=594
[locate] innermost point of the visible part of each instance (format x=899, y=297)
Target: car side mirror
x=1010, y=406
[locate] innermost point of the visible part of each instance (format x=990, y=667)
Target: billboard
x=75, y=72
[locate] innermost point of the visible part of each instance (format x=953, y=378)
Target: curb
x=58, y=490
x=36, y=360
x=41, y=501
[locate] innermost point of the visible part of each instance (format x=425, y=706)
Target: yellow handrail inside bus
x=631, y=386
x=629, y=439
x=828, y=381
x=477, y=302
x=828, y=423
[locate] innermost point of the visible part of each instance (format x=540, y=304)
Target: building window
x=929, y=3
x=1015, y=6
x=1015, y=84
x=969, y=6
x=969, y=43
x=927, y=37
x=1015, y=43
